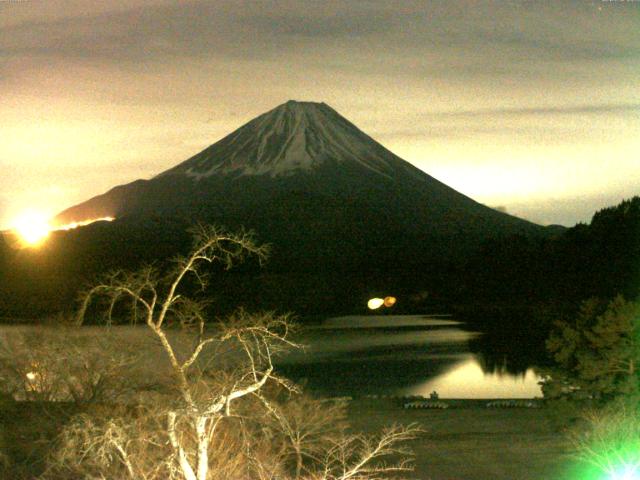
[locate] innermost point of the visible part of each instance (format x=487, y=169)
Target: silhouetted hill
x=596, y=259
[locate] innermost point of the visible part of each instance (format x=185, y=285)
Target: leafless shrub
x=118, y=442
x=363, y=457
x=64, y=364
x=308, y=428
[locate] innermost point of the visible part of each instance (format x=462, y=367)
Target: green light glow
x=607, y=447
x=614, y=463
x=625, y=472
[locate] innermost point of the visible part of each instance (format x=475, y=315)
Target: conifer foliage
x=598, y=354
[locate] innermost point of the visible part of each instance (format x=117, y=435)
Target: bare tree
x=219, y=421
x=258, y=338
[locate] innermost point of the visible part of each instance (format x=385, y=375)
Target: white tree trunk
x=187, y=471
x=203, y=448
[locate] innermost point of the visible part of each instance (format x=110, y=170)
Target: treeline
x=600, y=259
x=553, y=273
x=520, y=289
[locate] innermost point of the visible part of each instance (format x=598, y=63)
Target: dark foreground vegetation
x=468, y=442
x=595, y=378
x=594, y=260
x=211, y=405
x=176, y=398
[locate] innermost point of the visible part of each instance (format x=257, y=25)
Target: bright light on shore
x=628, y=471
x=375, y=303
x=34, y=227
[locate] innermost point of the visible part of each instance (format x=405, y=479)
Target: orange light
x=72, y=225
x=389, y=301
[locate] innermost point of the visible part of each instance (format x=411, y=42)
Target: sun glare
x=32, y=227
x=72, y=225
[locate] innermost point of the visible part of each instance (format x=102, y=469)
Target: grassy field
x=466, y=442
x=471, y=442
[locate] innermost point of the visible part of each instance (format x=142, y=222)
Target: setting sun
x=32, y=227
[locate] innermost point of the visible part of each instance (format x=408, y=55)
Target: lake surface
x=400, y=355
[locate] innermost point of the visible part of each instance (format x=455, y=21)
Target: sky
x=530, y=106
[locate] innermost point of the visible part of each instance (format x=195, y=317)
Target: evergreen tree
x=598, y=354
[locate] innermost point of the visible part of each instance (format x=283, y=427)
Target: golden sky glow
x=532, y=106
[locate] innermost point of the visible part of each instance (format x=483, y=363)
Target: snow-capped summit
x=295, y=136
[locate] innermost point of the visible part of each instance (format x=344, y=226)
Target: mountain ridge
x=298, y=148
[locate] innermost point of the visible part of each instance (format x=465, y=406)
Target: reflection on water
x=466, y=379
x=399, y=355
x=386, y=321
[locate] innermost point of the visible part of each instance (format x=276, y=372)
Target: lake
x=400, y=355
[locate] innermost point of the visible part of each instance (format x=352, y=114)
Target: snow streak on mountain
x=296, y=136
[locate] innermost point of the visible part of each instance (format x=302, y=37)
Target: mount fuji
x=298, y=158
x=327, y=197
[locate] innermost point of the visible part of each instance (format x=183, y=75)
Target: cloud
x=448, y=78
x=140, y=34
x=241, y=30
x=349, y=24
x=557, y=44
x=518, y=125
x=605, y=109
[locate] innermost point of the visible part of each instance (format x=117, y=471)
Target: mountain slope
x=302, y=153
x=296, y=136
